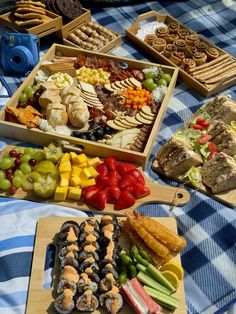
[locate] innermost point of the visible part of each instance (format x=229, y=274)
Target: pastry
x=177, y=57
x=172, y=38
x=212, y=53
x=162, y=32
x=182, y=33
x=191, y=39
x=180, y=44
x=149, y=38
x=201, y=46
x=169, y=49
x=200, y=58
x=187, y=64
x=159, y=44
x=189, y=51
x=173, y=27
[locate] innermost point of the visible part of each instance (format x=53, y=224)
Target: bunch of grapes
x=14, y=165
x=30, y=96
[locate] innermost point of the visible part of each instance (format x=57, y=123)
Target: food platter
x=159, y=194
x=40, y=299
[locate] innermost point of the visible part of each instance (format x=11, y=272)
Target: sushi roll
x=87, y=302
x=69, y=250
x=107, y=283
x=69, y=232
x=92, y=266
x=65, y=284
x=84, y=234
x=64, y=303
x=71, y=261
x=112, y=300
x=90, y=224
x=85, y=283
x=85, y=255
x=109, y=269
x=70, y=274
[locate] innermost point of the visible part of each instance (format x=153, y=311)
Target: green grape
x=17, y=149
x=35, y=88
x=5, y=155
x=5, y=184
x=29, y=151
x=167, y=77
x=149, y=75
x=18, y=173
x=26, y=158
x=23, y=98
x=28, y=91
x=162, y=82
x=38, y=155
x=147, y=82
x=25, y=167
x=17, y=181
x=5, y=163
x=12, y=161
x=2, y=175
x=152, y=86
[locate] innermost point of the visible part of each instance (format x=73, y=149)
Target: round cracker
x=114, y=126
x=119, y=123
x=139, y=118
x=145, y=116
x=147, y=110
x=132, y=120
x=134, y=82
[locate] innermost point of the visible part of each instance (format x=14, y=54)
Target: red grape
x=32, y=162
x=9, y=177
x=17, y=162
x=12, y=190
x=31, y=102
x=19, y=155
x=37, y=95
x=12, y=153
x=9, y=171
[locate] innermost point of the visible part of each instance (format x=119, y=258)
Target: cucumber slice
x=147, y=280
x=157, y=275
x=165, y=300
x=142, y=268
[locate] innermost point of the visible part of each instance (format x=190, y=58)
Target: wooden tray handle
x=146, y=16
x=76, y=149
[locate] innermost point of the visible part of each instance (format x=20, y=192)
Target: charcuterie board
x=159, y=194
x=40, y=300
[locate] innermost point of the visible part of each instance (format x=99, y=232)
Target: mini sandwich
x=222, y=108
x=219, y=173
x=176, y=157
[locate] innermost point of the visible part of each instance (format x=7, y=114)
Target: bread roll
x=56, y=114
x=78, y=113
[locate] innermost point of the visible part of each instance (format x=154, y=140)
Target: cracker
x=145, y=116
x=87, y=88
x=132, y=120
x=114, y=87
x=28, y=16
x=120, y=123
x=124, y=84
x=109, y=88
x=127, y=81
x=29, y=22
x=139, y=118
x=126, y=123
x=118, y=85
x=147, y=110
x=114, y=126
x=135, y=82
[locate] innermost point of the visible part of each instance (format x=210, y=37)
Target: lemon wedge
x=171, y=277
x=175, y=268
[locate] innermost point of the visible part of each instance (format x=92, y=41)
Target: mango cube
x=60, y=193
x=74, y=181
x=65, y=166
x=63, y=182
x=81, y=158
x=75, y=193
x=94, y=162
x=65, y=157
x=93, y=172
x=85, y=174
x=73, y=155
x=83, y=165
x=65, y=175
x=76, y=171
x=89, y=182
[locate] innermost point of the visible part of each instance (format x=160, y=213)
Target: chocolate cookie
x=70, y=9
x=54, y=7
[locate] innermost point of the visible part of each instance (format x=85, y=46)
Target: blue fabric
x=209, y=227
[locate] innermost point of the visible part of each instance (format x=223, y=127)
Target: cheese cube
x=75, y=193
x=93, y=172
x=65, y=166
x=60, y=193
x=75, y=180
x=65, y=157
x=94, y=162
x=88, y=183
x=81, y=158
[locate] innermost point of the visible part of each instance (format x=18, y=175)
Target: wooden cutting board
x=40, y=300
x=226, y=197
x=159, y=194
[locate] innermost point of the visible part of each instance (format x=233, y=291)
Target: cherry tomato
x=203, y=122
x=213, y=150
x=204, y=138
x=198, y=127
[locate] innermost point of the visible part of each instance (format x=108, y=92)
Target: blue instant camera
x=19, y=53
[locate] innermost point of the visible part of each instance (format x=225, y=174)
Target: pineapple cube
x=89, y=182
x=65, y=157
x=80, y=159
x=94, y=162
x=75, y=193
x=60, y=193
x=85, y=174
x=64, y=182
x=83, y=165
x=74, y=181
x=73, y=156
x=76, y=171
x=93, y=172
x=65, y=166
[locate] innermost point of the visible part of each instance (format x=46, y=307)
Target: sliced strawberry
x=124, y=168
x=102, y=169
x=102, y=181
x=110, y=162
x=126, y=180
x=89, y=191
x=126, y=200
x=137, y=175
x=140, y=190
x=129, y=189
x=98, y=200
x=114, y=178
x=113, y=194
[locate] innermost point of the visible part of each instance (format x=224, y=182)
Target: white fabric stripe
x=14, y=285
x=13, y=310
x=16, y=250
x=229, y=272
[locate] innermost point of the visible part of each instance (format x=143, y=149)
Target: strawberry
x=89, y=191
x=129, y=189
x=98, y=200
x=124, y=168
x=114, y=178
x=126, y=200
x=126, y=180
x=110, y=162
x=137, y=175
x=140, y=190
x=113, y=194
x=102, y=169
x=102, y=181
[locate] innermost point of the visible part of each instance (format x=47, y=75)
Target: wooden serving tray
x=40, y=300
x=159, y=194
x=187, y=78
x=51, y=25
x=38, y=137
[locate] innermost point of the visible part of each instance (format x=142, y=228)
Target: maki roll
x=109, y=269
x=71, y=261
x=65, y=284
x=112, y=300
x=70, y=274
x=84, y=234
x=64, y=303
x=90, y=225
x=90, y=267
x=86, y=255
x=69, y=232
x=87, y=302
x=107, y=283
x=85, y=283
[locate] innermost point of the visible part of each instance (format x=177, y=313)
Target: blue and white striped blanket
x=208, y=226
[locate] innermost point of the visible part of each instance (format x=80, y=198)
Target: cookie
x=30, y=9
x=70, y=9
x=34, y=3
x=29, y=22
x=28, y=16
